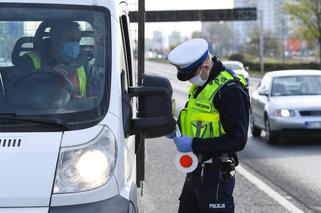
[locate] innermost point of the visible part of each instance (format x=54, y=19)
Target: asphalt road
x=291, y=168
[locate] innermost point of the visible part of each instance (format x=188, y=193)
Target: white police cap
x=188, y=56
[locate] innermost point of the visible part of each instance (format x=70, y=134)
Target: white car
x=238, y=68
x=287, y=104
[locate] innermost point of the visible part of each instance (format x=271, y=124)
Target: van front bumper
x=117, y=204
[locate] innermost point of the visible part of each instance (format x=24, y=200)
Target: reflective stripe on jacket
x=200, y=118
x=82, y=78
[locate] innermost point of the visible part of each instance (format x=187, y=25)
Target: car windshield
x=297, y=85
x=54, y=68
x=233, y=66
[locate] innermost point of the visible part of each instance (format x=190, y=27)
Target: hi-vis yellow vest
x=82, y=78
x=200, y=118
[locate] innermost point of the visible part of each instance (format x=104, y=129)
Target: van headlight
x=285, y=113
x=88, y=166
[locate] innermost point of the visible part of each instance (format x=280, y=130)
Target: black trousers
x=212, y=193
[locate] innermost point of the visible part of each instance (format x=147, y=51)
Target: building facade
x=274, y=20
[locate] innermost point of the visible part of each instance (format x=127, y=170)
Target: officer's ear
x=207, y=65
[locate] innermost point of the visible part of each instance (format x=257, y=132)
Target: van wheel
x=269, y=136
x=255, y=131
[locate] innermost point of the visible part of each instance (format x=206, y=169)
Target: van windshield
x=54, y=64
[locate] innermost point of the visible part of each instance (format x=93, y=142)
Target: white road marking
x=268, y=190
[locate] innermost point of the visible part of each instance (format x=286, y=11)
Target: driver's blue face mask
x=70, y=51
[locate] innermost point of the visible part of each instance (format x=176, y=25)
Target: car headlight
x=88, y=166
x=285, y=113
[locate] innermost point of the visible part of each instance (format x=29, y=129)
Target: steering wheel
x=47, y=75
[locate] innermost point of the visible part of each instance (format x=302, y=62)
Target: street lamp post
x=261, y=27
x=141, y=40
x=319, y=12
x=282, y=38
x=140, y=146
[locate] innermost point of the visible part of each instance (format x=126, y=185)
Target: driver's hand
x=61, y=68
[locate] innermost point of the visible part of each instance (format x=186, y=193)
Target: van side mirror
x=263, y=92
x=155, y=117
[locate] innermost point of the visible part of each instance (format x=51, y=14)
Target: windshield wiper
x=312, y=94
x=38, y=120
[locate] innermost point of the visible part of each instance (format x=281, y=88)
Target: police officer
x=214, y=125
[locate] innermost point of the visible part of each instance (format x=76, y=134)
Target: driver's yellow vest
x=200, y=118
x=81, y=73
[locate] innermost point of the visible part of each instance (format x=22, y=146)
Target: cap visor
x=185, y=76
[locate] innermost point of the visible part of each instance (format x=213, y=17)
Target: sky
x=186, y=28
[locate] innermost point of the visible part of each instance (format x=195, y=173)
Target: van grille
x=311, y=113
x=10, y=143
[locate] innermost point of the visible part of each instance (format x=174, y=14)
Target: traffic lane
x=279, y=166
x=180, y=89
x=168, y=71
x=163, y=184
x=162, y=181
x=293, y=165
x=247, y=203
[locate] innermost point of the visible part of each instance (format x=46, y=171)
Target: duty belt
x=222, y=162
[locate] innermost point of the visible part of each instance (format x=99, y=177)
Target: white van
x=62, y=152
